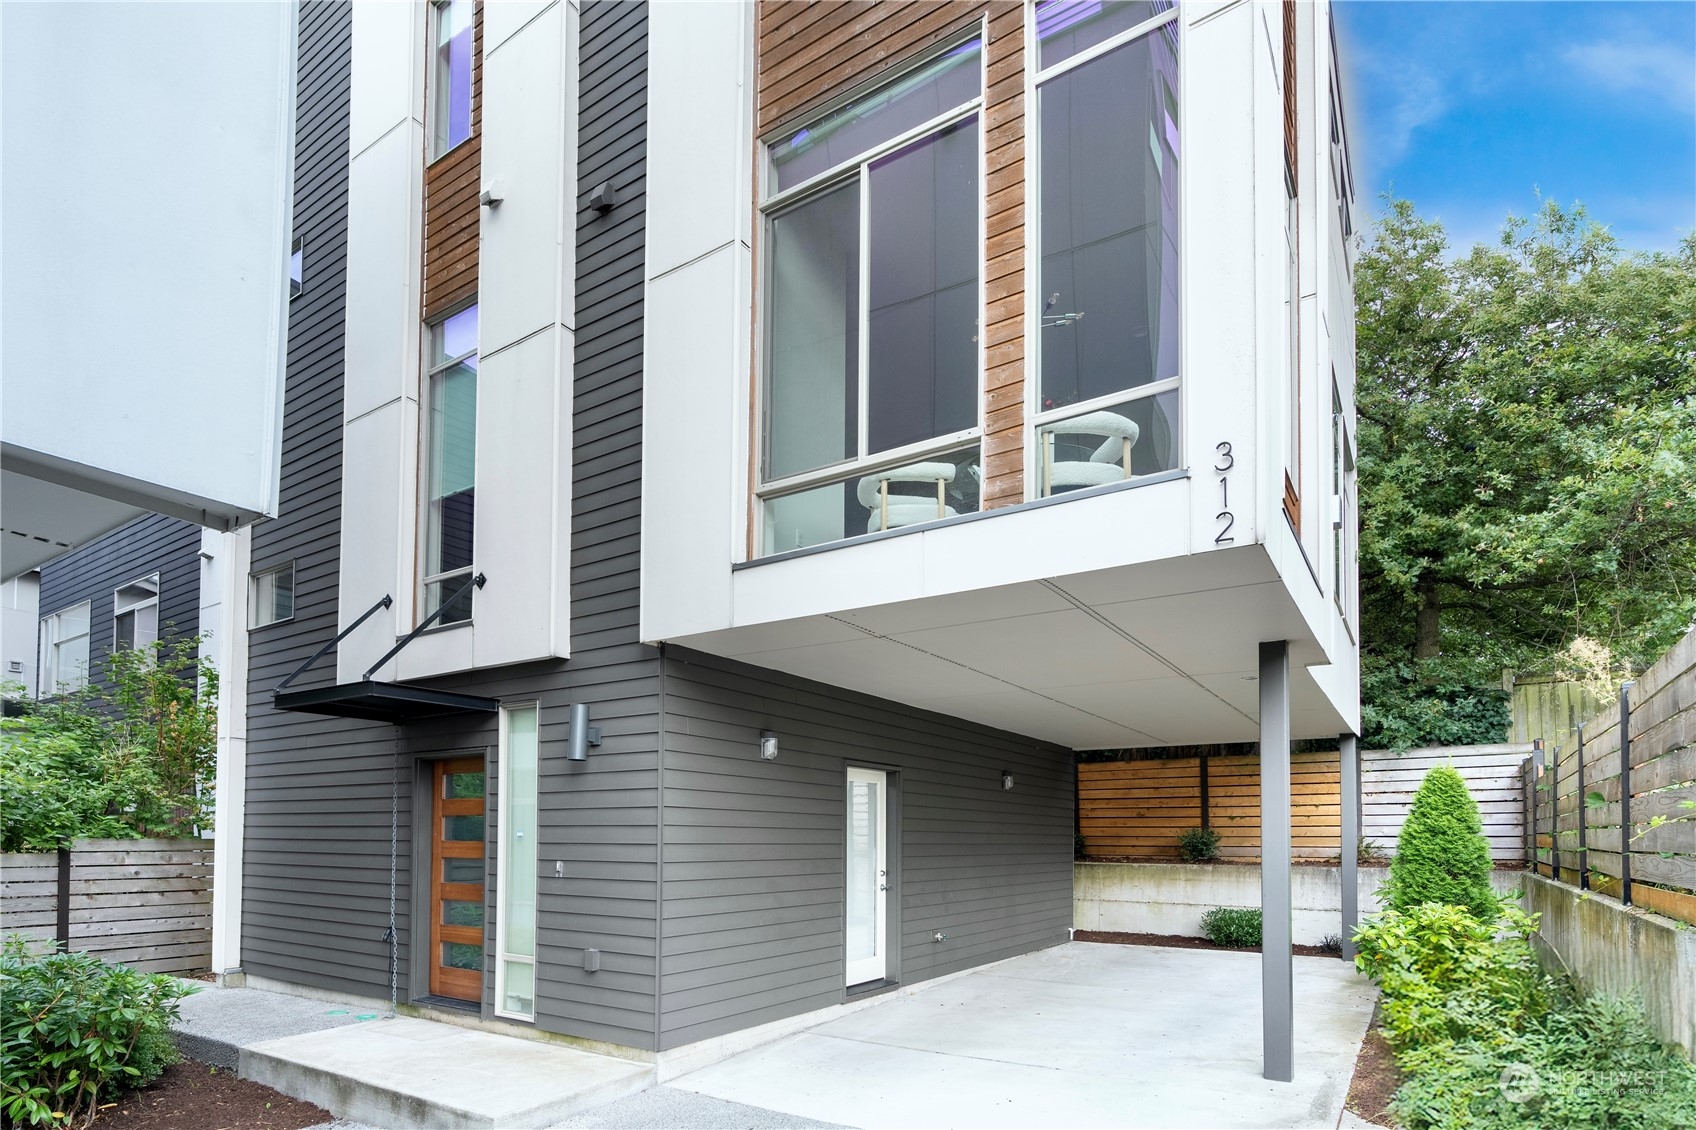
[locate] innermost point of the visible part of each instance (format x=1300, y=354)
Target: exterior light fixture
x=768, y=745
x=1006, y=781
x=583, y=735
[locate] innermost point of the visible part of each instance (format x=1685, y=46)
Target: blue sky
x=1469, y=109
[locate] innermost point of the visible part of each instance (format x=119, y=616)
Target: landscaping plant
x=75, y=1031
x=1232, y=926
x=1442, y=855
x=1198, y=845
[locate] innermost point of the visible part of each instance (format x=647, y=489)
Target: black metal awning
x=398, y=703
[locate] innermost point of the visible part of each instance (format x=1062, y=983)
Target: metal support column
x=1276, y=967
x=1348, y=755
x=1625, y=824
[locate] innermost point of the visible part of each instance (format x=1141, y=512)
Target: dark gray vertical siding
x=752, y=919
x=152, y=544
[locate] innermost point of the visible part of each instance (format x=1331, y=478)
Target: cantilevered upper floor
x=999, y=357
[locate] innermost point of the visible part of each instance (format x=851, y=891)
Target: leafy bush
x=1232, y=926
x=140, y=761
x=1198, y=844
x=75, y=1031
x=1442, y=855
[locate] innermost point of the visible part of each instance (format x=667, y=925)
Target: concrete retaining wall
x=1612, y=948
x=1170, y=898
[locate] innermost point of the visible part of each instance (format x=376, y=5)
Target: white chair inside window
x=887, y=509
x=1110, y=463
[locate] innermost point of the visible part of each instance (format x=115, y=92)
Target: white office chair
x=1110, y=463
x=887, y=510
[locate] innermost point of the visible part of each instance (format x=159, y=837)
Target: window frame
x=773, y=205
x=1036, y=418
x=253, y=577
x=502, y=823
x=432, y=33
x=426, y=465
x=152, y=578
x=48, y=684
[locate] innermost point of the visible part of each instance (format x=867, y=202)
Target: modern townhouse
x=734, y=455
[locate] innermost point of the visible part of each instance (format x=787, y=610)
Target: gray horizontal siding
x=94, y=572
x=752, y=923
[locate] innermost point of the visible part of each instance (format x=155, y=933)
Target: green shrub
x=75, y=1031
x=1442, y=855
x=1198, y=844
x=1232, y=926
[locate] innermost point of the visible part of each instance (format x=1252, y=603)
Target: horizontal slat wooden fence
x=144, y=903
x=1136, y=809
x=1581, y=831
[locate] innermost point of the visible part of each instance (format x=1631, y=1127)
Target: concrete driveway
x=1082, y=1035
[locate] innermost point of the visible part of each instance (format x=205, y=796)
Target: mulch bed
x=1375, y=1077
x=1180, y=941
x=194, y=1096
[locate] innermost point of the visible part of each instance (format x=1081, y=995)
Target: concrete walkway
x=1082, y=1035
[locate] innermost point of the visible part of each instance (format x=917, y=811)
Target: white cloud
x=1662, y=71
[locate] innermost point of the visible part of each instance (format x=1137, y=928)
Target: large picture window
x=872, y=309
x=64, y=649
x=1107, y=236
x=135, y=614
x=451, y=465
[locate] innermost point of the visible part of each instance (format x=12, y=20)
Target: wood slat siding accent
x=1292, y=102
x=1663, y=769
x=810, y=53
x=752, y=926
x=452, y=217
x=144, y=903
x=93, y=572
x=1138, y=808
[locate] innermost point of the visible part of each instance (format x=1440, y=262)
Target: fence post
x=62, y=907
x=1528, y=828
x=1583, y=816
x=1536, y=776
x=1625, y=793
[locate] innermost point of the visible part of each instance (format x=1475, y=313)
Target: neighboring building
x=722, y=569
x=19, y=599
x=144, y=233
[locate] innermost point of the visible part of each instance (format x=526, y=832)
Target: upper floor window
x=135, y=614
x=873, y=297
x=450, y=74
x=450, y=464
x=64, y=649
x=270, y=596
x=1106, y=182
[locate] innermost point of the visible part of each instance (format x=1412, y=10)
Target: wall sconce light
x=583, y=735
x=768, y=745
x=1006, y=781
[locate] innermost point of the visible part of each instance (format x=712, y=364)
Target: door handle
x=883, y=886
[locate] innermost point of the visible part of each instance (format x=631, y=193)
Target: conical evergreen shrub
x=1442, y=855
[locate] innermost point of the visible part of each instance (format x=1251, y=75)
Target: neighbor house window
x=450, y=74
x=1106, y=176
x=297, y=266
x=451, y=464
x=135, y=614
x=64, y=649
x=515, y=928
x=270, y=598
x=873, y=303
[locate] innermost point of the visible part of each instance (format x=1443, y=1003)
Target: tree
x=1527, y=441
x=1442, y=855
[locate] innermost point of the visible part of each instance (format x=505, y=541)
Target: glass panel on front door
x=457, y=865
x=867, y=875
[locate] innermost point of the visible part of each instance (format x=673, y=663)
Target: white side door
x=868, y=875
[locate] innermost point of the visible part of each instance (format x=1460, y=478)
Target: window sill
x=446, y=153
x=962, y=519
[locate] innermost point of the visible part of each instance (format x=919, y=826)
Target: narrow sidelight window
x=1107, y=189
x=270, y=596
x=297, y=266
x=64, y=649
x=873, y=303
x=515, y=975
x=135, y=614
x=451, y=462
x=450, y=77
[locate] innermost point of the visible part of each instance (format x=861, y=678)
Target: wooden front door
x=456, y=886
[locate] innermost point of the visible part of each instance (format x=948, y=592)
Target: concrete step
x=405, y=1073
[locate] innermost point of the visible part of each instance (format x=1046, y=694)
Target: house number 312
x=1223, y=467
